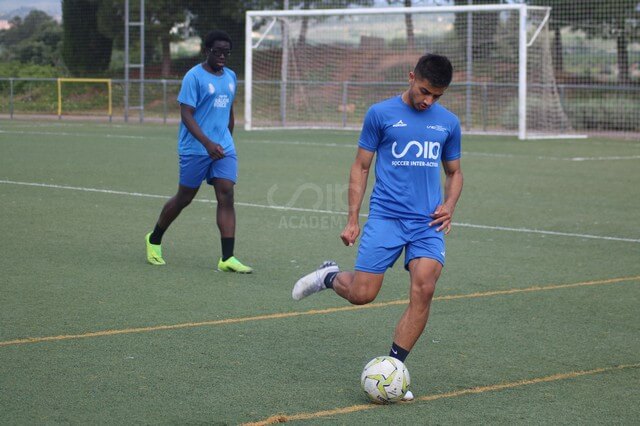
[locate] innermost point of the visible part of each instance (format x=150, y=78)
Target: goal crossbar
x=393, y=10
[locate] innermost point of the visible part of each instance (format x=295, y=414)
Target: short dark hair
x=437, y=69
x=214, y=36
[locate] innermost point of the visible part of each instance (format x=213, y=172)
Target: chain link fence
x=595, y=52
x=603, y=108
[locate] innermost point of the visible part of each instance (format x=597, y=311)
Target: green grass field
x=535, y=318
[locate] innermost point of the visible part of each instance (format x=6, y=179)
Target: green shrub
x=9, y=69
x=17, y=69
x=598, y=113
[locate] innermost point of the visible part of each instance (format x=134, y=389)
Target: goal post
x=107, y=81
x=324, y=68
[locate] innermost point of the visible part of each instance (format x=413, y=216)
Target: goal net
x=324, y=68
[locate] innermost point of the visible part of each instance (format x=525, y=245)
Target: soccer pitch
x=535, y=318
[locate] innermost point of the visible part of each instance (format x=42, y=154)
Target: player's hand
x=350, y=234
x=442, y=216
x=214, y=150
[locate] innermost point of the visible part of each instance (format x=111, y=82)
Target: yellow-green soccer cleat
x=154, y=252
x=233, y=265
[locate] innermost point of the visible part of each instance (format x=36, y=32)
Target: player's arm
x=232, y=120
x=357, y=187
x=452, y=190
x=186, y=113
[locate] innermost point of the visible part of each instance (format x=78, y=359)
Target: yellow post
x=84, y=80
x=59, y=99
x=110, y=106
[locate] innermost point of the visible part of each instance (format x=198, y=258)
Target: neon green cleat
x=233, y=265
x=154, y=252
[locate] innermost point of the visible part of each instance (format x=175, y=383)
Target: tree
x=161, y=16
x=408, y=19
x=85, y=50
x=484, y=26
x=322, y=4
x=229, y=16
x=35, y=40
x=609, y=20
x=560, y=16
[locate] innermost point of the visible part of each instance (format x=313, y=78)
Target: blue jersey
x=212, y=97
x=409, y=146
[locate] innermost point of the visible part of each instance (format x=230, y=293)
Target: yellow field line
x=536, y=288
x=281, y=418
x=303, y=313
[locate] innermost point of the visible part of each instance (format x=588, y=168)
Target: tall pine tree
x=85, y=51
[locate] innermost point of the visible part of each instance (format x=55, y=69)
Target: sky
x=52, y=7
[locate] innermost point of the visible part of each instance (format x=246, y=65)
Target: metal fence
x=592, y=109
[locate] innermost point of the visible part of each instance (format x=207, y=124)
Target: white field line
x=630, y=157
x=318, y=211
x=327, y=145
x=106, y=135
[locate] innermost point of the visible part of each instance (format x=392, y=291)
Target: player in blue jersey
x=206, y=149
x=411, y=135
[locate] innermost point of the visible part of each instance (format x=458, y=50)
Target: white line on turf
x=300, y=209
x=20, y=132
x=351, y=146
x=630, y=157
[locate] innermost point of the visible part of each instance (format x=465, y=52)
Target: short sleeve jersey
x=212, y=97
x=409, y=146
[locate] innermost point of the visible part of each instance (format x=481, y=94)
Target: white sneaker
x=313, y=282
x=407, y=397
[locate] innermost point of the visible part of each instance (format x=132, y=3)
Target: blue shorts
x=383, y=240
x=196, y=168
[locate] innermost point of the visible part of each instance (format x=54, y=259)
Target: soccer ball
x=385, y=380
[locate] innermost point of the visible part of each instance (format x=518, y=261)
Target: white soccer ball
x=385, y=380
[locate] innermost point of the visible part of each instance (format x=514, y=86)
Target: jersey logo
x=430, y=150
x=232, y=87
x=437, y=128
x=400, y=124
x=221, y=101
x=212, y=89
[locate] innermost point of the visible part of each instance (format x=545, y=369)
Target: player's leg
x=381, y=244
x=223, y=178
x=424, y=275
x=175, y=205
x=225, y=212
x=424, y=259
x=169, y=213
x=357, y=287
x=193, y=169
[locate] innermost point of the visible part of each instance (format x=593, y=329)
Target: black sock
x=328, y=280
x=227, y=247
x=156, y=235
x=398, y=353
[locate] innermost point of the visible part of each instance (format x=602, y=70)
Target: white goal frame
x=523, y=44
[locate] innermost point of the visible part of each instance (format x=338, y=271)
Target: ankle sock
x=398, y=352
x=227, y=247
x=328, y=280
x=156, y=236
